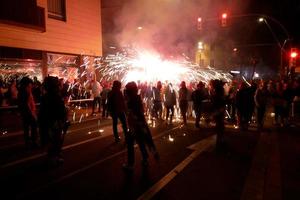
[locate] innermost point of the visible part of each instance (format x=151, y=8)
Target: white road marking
x=69, y=132
x=104, y=134
x=198, y=148
x=88, y=166
x=44, y=154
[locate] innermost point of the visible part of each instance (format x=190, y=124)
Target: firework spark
x=145, y=66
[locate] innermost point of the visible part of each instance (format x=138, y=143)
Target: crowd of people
x=240, y=102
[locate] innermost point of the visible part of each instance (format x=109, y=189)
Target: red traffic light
x=224, y=20
x=199, y=24
x=293, y=54
x=224, y=15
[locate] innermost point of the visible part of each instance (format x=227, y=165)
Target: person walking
x=28, y=113
x=116, y=108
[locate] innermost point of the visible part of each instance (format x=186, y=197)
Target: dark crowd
x=136, y=105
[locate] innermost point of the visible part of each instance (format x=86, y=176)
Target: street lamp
x=199, y=58
x=281, y=46
x=261, y=19
x=200, y=46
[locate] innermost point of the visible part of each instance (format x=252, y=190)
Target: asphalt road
x=188, y=167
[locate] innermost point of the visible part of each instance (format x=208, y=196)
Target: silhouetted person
x=13, y=93
x=170, y=101
x=157, y=101
x=183, y=101
x=138, y=128
x=261, y=99
x=279, y=103
x=52, y=117
x=231, y=98
x=198, y=96
x=27, y=110
x=116, y=107
x=37, y=90
x=218, y=106
x=104, y=95
x=243, y=101
x=289, y=94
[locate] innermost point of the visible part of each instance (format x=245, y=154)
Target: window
x=57, y=9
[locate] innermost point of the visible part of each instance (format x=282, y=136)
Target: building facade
x=49, y=37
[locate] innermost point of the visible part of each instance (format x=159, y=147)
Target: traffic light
x=293, y=54
x=224, y=20
x=199, y=23
x=293, y=59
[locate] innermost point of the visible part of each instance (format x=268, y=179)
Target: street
x=188, y=166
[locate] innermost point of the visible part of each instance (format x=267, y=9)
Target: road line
x=87, y=167
x=17, y=133
x=44, y=154
x=105, y=159
x=103, y=135
x=199, y=147
x=69, y=132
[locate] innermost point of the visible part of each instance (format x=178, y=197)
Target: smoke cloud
x=169, y=26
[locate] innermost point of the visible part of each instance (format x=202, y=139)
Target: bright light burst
x=145, y=66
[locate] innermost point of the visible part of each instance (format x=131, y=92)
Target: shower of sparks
x=145, y=66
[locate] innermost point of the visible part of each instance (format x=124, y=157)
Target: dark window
x=24, y=13
x=57, y=9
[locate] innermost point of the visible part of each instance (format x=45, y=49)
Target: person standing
x=197, y=97
x=157, y=101
x=170, y=102
x=183, y=101
x=96, y=91
x=279, y=103
x=116, y=108
x=104, y=95
x=243, y=102
x=13, y=93
x=27, y=110
x=218, y=106
x=138, y=128
x=261, y=98
x=52, y=118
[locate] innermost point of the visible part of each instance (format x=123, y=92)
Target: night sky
x=286, y=11
x=170, y=25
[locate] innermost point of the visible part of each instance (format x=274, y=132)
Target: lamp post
x=281, y=46
x=262, y=18
x=200, y=48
